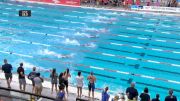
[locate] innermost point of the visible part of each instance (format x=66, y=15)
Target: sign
x=25, y=13
x=162, y=9
x=64, y=2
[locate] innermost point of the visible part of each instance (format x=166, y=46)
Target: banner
x=64, y=2
x=163, y=9
x=155, y=8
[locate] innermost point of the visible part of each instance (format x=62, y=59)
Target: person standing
x=54, y=77
x=91, y=85
x=38, y=84
x=61, y=94
x=145, y=96
x=66, y=76
x=105, y=95
x=22, y=80
x=31, y=76
x=79, y=82
x=132, y=92
x=170, y=97
x=157, y=98
x=7, y=68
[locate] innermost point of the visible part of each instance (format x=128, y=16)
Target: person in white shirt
x=79, y=82
x=38, y=84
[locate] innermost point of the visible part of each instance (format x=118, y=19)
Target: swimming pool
x=116, y=46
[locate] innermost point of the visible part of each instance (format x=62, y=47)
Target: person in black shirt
x=145, y=96
x=22, y=80
x=132, y=92
x=157, y=98
x=7, y=68
x=171, y=97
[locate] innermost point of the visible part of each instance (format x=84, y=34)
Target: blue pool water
x=116, y=46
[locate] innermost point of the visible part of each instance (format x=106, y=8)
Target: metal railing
x=31, y=97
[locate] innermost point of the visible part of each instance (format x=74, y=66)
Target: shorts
x=22, y=81
x=66, y=83
x=8, y=76
x=38, y=90
x=53, y=81
x=91, y=86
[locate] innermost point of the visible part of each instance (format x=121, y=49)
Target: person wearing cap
x=132, y=92
x=7, y=69
x=170, y=97
x=157, y=98
x=105, y=95
x=91, y=85
x=22, y=80
x=145, y=96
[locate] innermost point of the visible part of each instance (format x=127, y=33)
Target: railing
x=27, y=96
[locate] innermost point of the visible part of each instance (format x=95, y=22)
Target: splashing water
x=48, y=52
x=71, y=42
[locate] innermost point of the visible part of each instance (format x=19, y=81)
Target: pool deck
x=46, y=89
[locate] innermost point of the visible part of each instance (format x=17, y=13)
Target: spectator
x=7, y=68
x=157, y=98
x=132, y=92
x=54, y=77
x=61, y=81
x=145, y=96
x=66, y=76
x=31, y=76
x=91, y=85
x=38, y=84
x=116, y=98
x=105, y=95
x=79, y=82
x=61, y=94
x=22, y=80
x=170, y=97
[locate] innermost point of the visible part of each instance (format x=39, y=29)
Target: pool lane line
x=142, y=83
x=142, y=38
x=154, y=49
x=171, y=51
x=177, y=73
x=143, y=43
x=98, y=68
x=57, y=27
x=105, y=54
x=140, y=53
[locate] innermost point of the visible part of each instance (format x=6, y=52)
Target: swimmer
x=92, y=36
x=63, y=56
x=89, y=45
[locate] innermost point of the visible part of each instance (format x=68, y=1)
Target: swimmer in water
x=92, y=36
x=88, y=45
x=66, y=56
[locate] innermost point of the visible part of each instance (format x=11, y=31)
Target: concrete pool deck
x=46, y=89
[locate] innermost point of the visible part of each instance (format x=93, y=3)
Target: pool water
x=119, y=47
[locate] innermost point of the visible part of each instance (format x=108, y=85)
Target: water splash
x=52, y=53
x=67, y=41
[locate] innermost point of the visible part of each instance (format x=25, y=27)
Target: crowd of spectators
x=128, y=3
x=61, y=87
